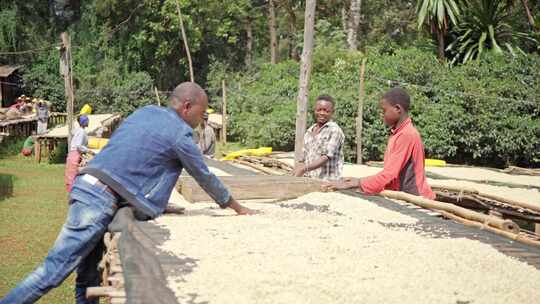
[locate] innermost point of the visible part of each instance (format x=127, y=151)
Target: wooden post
x=184, y=38
x=65, y=70
x=37, y=149
x=537, y=228
x=359, y=117
x=224, y=113
x=157, y=96
x=305, y=71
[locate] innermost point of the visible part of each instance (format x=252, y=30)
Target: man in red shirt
x=404, y=157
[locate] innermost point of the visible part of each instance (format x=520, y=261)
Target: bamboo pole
x=521, y=171
x=184, y=38
x=505, y=225
x=534, y=207
x=359, y=117
x=94, y=292
x=224, y=113
x=157, y=96
x=471, y=190
x=460, y=189
x=514, y=236
x=65, y=70
x=256, y=167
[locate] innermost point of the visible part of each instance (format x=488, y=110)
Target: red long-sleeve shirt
x=403, y=165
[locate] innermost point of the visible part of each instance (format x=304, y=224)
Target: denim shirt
x=145, y=156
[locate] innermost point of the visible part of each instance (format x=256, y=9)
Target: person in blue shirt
x=139, y=167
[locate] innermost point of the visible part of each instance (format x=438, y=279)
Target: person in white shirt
x=78, y=145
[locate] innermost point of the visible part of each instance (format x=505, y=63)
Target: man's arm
x=376, y=183
x=395, y=161
x=303, y=168
x=192, y=160
x=332, y=148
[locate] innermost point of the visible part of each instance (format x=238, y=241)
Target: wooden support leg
x=37, y=150
x=537, y=228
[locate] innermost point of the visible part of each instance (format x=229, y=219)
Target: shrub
x=485, y=112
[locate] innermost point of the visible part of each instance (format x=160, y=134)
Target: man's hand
x=346, y=183
x=299, y=170
x=241, y=210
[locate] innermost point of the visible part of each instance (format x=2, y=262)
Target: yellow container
x=434, y=163
x=86, y=110
x=262, y=151
x=97, y=143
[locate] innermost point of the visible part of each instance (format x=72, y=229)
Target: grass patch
x=11, y=146
x=32, y=211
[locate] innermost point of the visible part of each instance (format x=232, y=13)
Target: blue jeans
x=78, y=246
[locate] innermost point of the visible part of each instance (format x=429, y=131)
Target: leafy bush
x=486, y=112
x=10, y=146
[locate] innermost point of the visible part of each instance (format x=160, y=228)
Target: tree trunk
x=344, y=17
x=354, y=21
x=249, y=42
x=293, y=51
x=440, y=40
x=360, y=115
x=530, y=18
x=273, y=32
x=66, y=69
x=305, y=71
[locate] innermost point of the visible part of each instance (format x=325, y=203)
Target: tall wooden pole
x=305, y=71
x=224, y=113
x=359, y=117
x=65, y=70
x=184, y=38
x=157, y=96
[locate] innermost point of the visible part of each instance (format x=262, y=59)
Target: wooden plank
x=479, y=218
x=37, y=149
x=252, y=187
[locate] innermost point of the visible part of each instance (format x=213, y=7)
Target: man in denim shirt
x=139, y=167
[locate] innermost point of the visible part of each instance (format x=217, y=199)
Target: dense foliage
x=486, y=112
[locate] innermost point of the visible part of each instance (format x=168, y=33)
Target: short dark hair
x=398, y=96
x=328, y=98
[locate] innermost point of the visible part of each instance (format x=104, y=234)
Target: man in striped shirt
x=323, y=145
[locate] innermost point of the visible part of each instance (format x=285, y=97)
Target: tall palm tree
x=437, y=13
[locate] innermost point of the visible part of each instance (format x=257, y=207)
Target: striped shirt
x=329, y=142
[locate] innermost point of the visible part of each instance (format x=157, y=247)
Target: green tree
x=436, y=13
x=486, y=25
